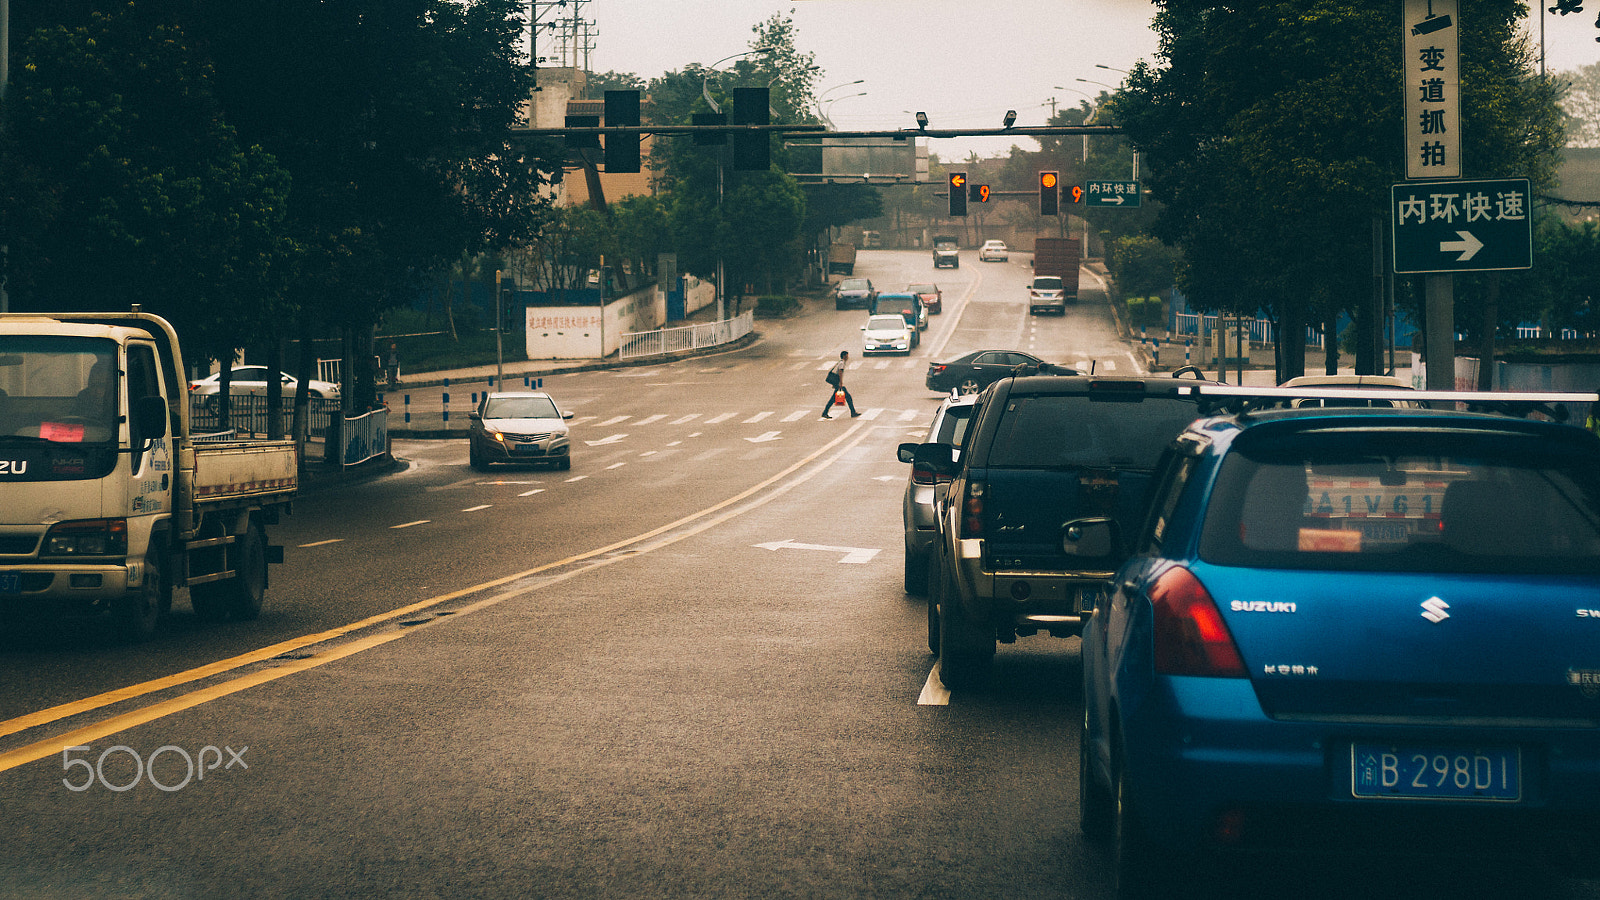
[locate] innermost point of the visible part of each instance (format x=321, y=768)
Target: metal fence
x=688, y=337
x=251, y=416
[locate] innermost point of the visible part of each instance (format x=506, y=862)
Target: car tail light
x=923, y=475
x=936, y=369
x=972, y=510
x=1190, y=636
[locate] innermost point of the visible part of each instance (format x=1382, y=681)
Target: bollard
x=447, y=401
x=408, y=409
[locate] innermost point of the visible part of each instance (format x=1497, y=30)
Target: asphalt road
x=685, y=668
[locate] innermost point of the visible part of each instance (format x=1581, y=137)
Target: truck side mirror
x=1097, y=537
x=941, y=458
x=150, y=417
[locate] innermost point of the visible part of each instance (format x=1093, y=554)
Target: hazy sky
x=963, y=63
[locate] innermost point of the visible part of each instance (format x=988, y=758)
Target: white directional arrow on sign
x=610, y=439
x=1117, y=200
x=1468, y=246
x=769, y=436
x=851, y=554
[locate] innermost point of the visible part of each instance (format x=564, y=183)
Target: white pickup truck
x=107, y=502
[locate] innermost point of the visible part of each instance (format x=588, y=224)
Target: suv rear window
x=1406, y=501
x=1054, y=431
x=1047, y=283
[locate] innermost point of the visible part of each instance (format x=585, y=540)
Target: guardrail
x=663, y=341
x=252, y=415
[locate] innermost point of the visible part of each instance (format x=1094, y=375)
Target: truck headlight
x=87, y=537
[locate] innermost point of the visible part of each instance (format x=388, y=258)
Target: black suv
x=1046, y=459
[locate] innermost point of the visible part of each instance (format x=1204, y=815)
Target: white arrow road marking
x=768, y=436
x=1469, y=246
x=851, y=554
x=614, y=420
x=609, y=439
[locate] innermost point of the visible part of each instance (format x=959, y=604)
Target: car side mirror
x=150, y=417
x=474, y=417
x=1097, y=537
x=907, y=452
x=566, y=415
x=941, y=458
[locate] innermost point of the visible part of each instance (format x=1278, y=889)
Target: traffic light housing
x=583, y=141
x=622, y=150
x=752, y=151
x=956, y=182
x=709, y=138
x=1049, y=193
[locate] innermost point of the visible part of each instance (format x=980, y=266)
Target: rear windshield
x=1047, y=283
x=853, y=284
x=1063, y=431
x=1407, y=501
x=953, y=427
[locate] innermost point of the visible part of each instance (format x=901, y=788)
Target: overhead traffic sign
x=1124, y=194
x=1461, y=226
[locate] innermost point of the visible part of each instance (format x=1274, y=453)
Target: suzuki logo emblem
x=1433, y=609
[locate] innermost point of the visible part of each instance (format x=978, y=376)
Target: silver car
x=518, y=427
x=923, y=488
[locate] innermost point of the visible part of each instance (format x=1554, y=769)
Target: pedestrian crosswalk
x=881, y=414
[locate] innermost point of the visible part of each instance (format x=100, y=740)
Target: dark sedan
x=854, y=293
x=980, y=368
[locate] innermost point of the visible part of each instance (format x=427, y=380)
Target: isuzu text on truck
x=107, y=502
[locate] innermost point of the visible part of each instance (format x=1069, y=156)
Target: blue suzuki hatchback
x=1355, y=630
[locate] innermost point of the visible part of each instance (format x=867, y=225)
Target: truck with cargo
x=946, y=252
x=842, y=259
x=1055, y=275
x=108, y=502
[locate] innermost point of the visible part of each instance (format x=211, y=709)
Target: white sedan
x=886, y=334
x=994, y=251
x=253, y=380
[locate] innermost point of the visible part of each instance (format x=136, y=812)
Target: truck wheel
x=142, y=609
x=239, y=597
x=965, y=652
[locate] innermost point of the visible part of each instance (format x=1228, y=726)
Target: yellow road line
x=41, y=749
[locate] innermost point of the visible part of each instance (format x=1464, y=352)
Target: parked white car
x=253, y=380
x=993, y=251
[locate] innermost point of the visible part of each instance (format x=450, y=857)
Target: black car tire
x=934, y=595
x=1097, y=809
x=474, y=458
x=966, y=652
x=1142, y=871
x=916, y=574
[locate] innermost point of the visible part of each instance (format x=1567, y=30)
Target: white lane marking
x=651, y=420
x=718, y=419
x=852, y=555
x=409, y=524
x=674, y=443
x=881, y=364
x=756, y=418
x=934, y=693
x=614, y=420
x=795, y=416
x=766, y=436
x=689, y=418
x=909, y=415
x=322, y=543
x=696, y=434
x=873, y=413
x=531, y=493
x=615, y=466
x=608, y=439
x=476, y=508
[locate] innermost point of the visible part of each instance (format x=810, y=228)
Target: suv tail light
x=1190, y=636
x=972, y=510
x=921, y=474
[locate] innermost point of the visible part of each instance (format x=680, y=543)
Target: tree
x=1581, y=103
x=1271, y=135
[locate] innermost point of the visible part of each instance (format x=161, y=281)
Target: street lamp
x=825, y=116
x=705, y=83
x=1110, y=69
x=824, y=94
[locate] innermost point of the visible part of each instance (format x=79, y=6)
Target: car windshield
x=886, y=323
x=1047, y=283
x=853, y=284
x=1406, y=501
x=1054, y=431
x=58, y=389
x=520, y=408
